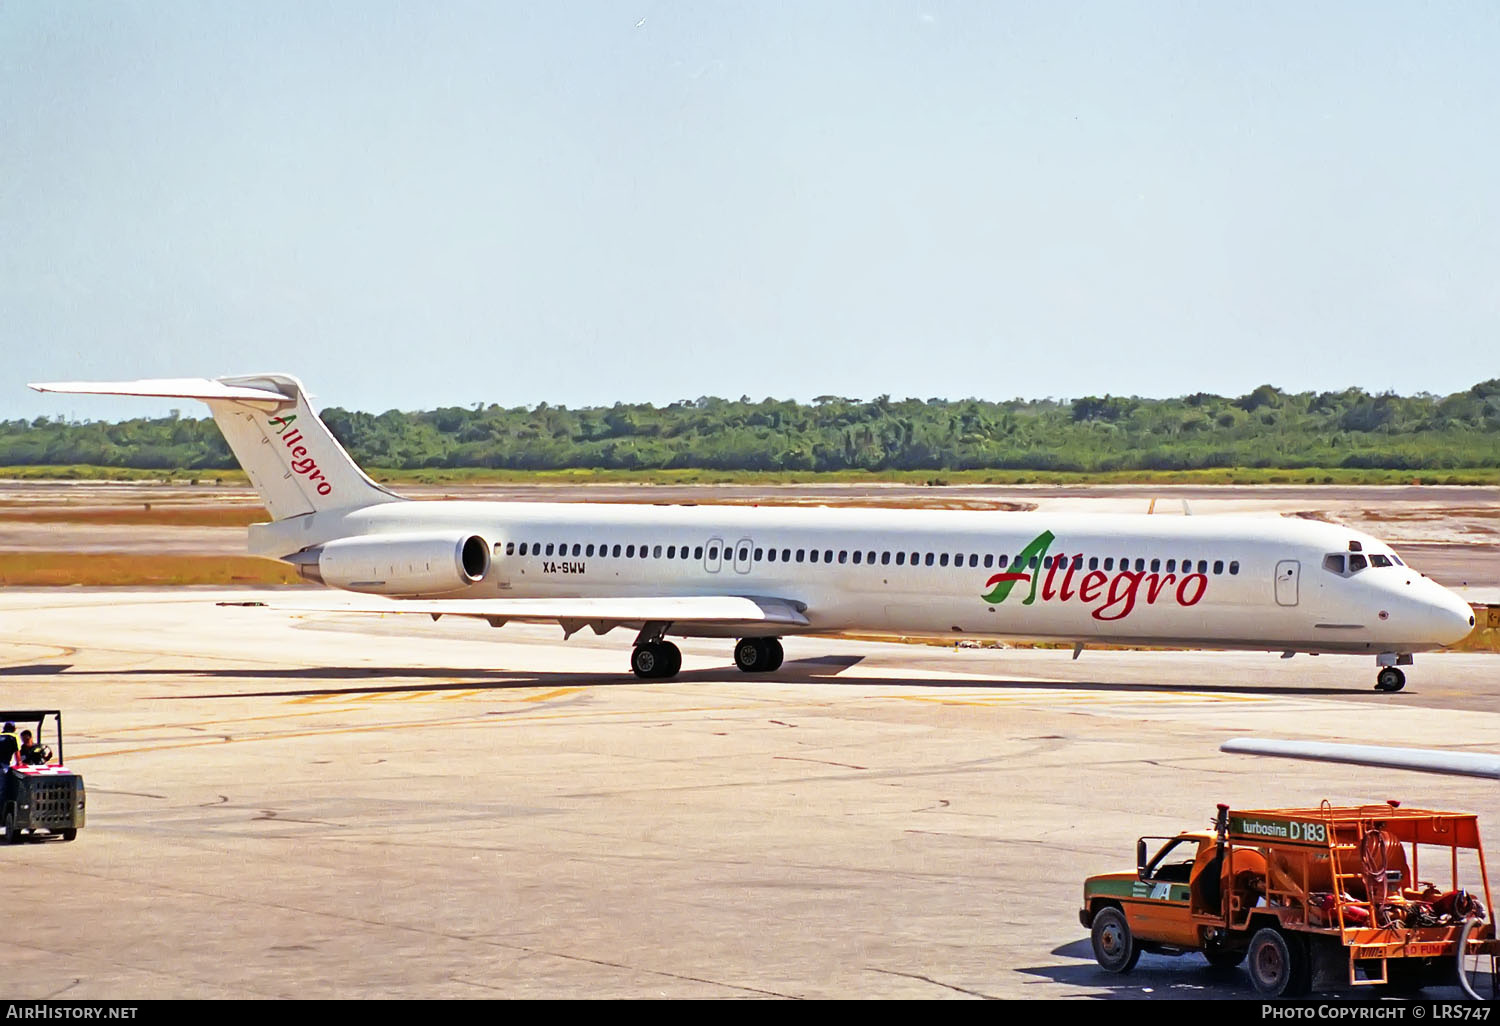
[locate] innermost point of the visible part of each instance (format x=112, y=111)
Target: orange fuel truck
x=1310, y=899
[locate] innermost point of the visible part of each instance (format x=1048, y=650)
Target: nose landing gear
x=1389, y=677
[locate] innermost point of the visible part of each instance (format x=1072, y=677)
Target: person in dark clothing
x=33, y=754
x=9, y=745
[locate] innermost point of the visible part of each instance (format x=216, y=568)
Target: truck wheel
x=1279, y=965
x=1114, y=944
x=69, y=833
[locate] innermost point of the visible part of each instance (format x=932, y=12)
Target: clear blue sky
x=422, y=204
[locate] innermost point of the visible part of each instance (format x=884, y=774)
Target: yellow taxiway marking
x=558, y=693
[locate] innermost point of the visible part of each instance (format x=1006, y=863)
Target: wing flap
x=719, y=610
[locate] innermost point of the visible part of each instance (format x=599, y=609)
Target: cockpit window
x=1334, y=563
x=1376, y=559
x=1357, y=562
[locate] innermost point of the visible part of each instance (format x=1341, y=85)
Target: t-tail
x=291, y=457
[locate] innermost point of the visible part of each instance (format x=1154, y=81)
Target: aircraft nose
x=1452, y=618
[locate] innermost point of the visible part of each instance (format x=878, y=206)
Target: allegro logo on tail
x=301, y=462
x=1116, y=595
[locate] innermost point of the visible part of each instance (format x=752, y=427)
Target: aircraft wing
x=1422, y=760
x=602, y=614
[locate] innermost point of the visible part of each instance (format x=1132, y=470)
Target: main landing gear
x=758, y=655
x=655, y=659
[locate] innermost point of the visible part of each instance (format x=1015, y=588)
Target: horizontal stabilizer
x=1422, y=760
x=166, y=388
x=719, y=610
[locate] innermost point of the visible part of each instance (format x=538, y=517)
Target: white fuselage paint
x=1379, y=609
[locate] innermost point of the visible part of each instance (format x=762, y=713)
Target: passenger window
x=630, y=552
x=760, y=554
x=671, y=551
x=713, y=553
x=928, y=560
x=1234, y=566
x=590, y=550
x=1218, y=566
x=943, y=559
x=786, y=555
x=549, y=548
x=870, y=557
x=1032, y=563
x=1093, y=562
x=900, y=559
x=1171, y=566
x=770, y=555
x=843, y=556
x=615, y=552
x=577, y=549
x=812, y=557
x=1001, y=560
x=828, y=555
x=1109, y=562
x=1156, y=566
x=799, y=555
x=858, y=556
x=1357, y=562
x=885, y=559
x=989, y=560
x=973, y=559
x=698, y=552
x=1203, y=566
x=656, y=552
x=523, y=549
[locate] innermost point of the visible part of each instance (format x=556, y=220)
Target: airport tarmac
x=327, y=806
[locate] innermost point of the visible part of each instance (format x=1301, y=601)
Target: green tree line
x=1264, y=428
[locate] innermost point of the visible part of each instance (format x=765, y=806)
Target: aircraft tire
x=671, y=658
x=1390, y=679
x=656, y=660
x=774, y=653
x=645, y=661
x=750, y=655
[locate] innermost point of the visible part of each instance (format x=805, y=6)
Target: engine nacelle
x=398, y=564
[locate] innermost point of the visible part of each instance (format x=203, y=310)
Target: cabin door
x=1286, y=582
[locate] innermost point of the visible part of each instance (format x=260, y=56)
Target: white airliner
x=757, y=574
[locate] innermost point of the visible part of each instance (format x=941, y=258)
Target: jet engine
x=398, y=564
